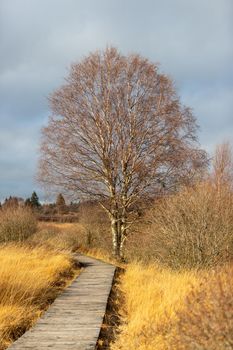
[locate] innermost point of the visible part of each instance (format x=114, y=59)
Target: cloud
x=39, y=39
x=213, y=108
x=18, y=159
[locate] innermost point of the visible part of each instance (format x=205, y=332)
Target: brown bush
x=193, y=228
x=96, y=226
x=16, y=224
x=138, y=244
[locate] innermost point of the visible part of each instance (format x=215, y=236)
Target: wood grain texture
x=74, y=320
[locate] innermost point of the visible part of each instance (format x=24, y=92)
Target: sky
x=39, y=39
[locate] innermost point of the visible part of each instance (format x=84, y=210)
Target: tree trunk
x=118, y=228
x=121, y=253
x=122, y=235
x=115, y=237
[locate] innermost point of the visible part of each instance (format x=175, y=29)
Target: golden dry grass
x=58, y=236
x=151, y=296
x=206, y=321
x=29, y=280
x=163, y=309
x=70, y=237
x=65, y=225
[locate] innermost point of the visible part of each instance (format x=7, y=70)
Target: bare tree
x=223, y=165
x=118, y=133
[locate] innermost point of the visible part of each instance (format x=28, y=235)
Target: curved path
x=74, y=320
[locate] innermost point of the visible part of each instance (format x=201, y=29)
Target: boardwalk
x=74, y=319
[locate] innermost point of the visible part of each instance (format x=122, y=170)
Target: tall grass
x=206, y=321
x=29, y=280
x=150, y=298
x=72, y=237
x=16, y=224
x=61, y=237
x=163, y=309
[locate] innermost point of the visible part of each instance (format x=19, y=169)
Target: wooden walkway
x=74, y=320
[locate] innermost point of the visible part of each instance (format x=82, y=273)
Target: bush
x=96, y=227
x=138, y=246
x=193, y=228
x=16, y=224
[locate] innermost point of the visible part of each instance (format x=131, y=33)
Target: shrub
x=96, y=227
x=16, y=224
x=138, y=247
x=193, y=228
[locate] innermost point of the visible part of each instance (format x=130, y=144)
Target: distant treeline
x=59, y=211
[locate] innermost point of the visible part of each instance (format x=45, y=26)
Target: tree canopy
x=118, y=133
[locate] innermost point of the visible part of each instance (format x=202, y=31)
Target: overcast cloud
x=192, y=40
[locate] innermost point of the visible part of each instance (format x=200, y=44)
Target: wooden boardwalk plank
x=74, y=320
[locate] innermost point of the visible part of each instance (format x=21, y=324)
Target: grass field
x=30, y=279
x=166, y=310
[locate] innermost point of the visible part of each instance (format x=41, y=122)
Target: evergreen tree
x=34, y=200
